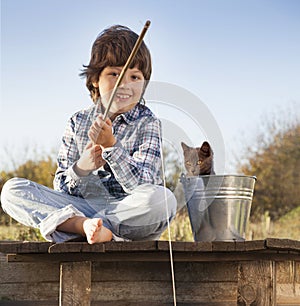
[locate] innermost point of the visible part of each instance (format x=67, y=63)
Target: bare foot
x=95, y=231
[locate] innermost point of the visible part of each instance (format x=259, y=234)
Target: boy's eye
x=115, y=74
x=136, y=77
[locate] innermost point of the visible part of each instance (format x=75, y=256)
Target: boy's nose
x=125, y=80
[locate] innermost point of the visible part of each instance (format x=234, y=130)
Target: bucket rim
x=221, y=175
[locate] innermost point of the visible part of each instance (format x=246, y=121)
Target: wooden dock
x=263, y=272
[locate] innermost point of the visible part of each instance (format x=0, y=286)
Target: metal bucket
x=218, y=205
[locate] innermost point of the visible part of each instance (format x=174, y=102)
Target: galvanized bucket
x=218, y=205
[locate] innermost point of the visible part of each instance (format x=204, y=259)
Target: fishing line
x=167, y=212
x=168, y=222
x=166, y=204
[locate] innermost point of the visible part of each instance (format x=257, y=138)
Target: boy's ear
x=95, y=84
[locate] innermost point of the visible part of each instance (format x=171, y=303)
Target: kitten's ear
x=184, y=146
x=206, y=148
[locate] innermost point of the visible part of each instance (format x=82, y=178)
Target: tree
x=40, y=171
x=275, y=160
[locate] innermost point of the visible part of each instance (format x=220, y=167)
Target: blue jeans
x=142, y=215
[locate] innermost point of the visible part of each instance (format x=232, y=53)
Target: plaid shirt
x=134, y=160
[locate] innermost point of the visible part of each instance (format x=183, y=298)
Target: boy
x=107, y=184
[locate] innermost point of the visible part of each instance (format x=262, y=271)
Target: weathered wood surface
x=151, y=281
x=269, y=249
x=75, y=283
x=269, y=244
x=288, y=282
x=256, y=283
x=140, y=283
x=264, y=272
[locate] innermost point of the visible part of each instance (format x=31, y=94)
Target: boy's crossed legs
x=61, y=217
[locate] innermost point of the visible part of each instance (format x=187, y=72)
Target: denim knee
x=162, y=202
x=8, y=190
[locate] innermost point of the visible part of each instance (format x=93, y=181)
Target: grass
x=19, y=232
x=180, y=229
x=287, y=227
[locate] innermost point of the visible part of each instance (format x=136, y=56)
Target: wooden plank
x=283, y=244
x=155, y=256
x=70, y=257
x=202, y=292
x=223, y=246
x=150, y=303
x=29, y=291
x=160, y=271
x=207, y=272
x=137, y=246
x=238, y=246
x=161, y=292
x=297, y=272
x=256, y=283
x=24, y=247
x=285, y=273
x=76, y=247
x=3, y=257
x=288, y=283
x=19, y=272
x=179, y=246
x=75, y=283
x=42, y=247
x=130, y=271
x=286, y=295
x=132, y=246
x=29, y=303
x=247, y=246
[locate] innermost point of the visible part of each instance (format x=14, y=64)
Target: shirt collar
x=130, y=116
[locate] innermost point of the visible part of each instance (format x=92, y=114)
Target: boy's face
x=128, y=93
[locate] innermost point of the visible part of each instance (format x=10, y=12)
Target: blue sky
x=240, y=57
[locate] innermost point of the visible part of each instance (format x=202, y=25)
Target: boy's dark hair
x=112, y=47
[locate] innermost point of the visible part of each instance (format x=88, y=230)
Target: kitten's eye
x=188, y=163
x=199, y=162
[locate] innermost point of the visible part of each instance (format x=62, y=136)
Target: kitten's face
x=198, y=161
x=191, y=160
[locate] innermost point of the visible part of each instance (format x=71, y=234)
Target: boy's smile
x=129, y=92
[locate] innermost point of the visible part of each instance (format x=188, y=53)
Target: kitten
x=198, y=161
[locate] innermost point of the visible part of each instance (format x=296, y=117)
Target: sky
x=230, y=63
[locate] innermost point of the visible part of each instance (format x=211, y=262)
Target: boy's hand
x=101, y=133
x=90, y=160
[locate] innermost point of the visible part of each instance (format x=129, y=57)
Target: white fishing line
x=168, y=222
